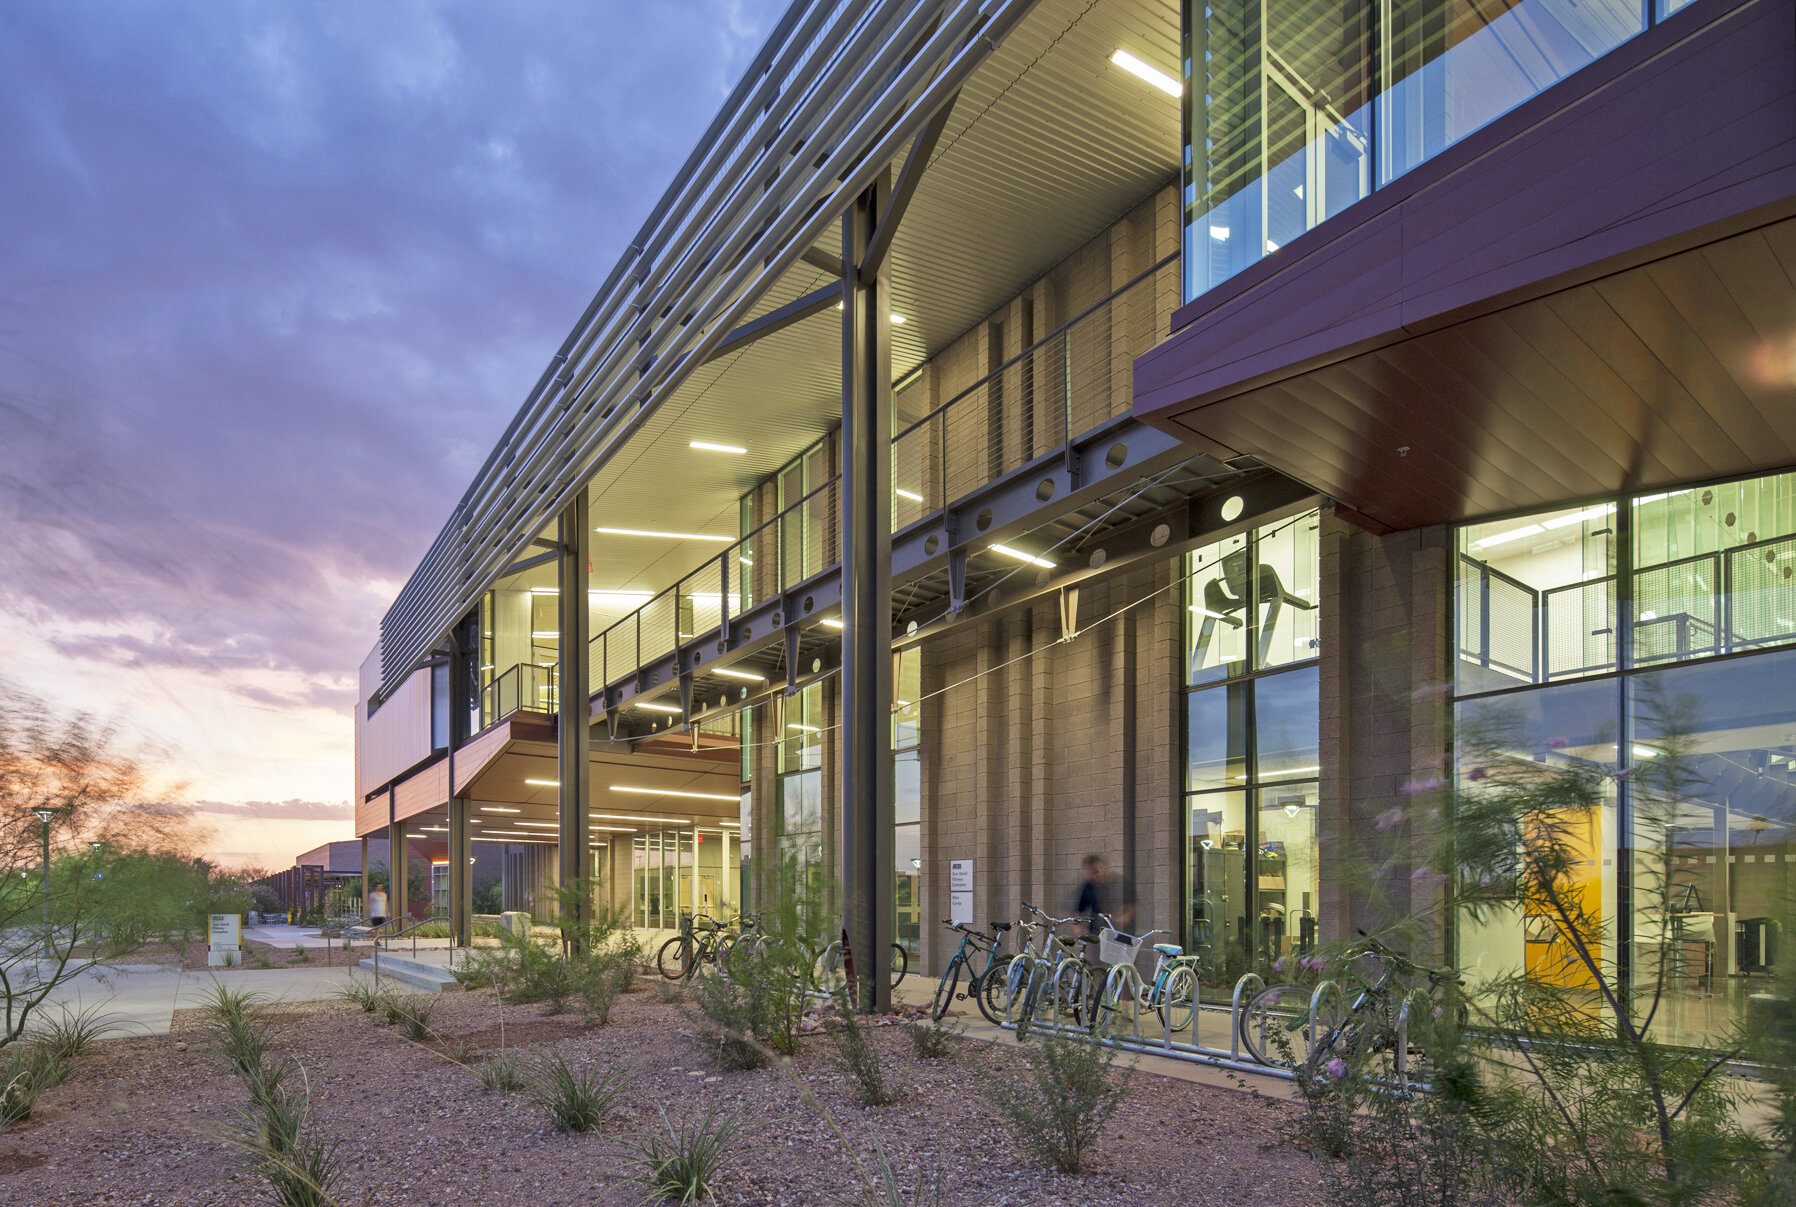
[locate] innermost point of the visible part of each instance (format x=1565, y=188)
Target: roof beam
x=778, y=320
x=903, y=189
x=816, y=257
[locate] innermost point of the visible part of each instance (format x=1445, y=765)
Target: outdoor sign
x=227, y=941
x=960, y=891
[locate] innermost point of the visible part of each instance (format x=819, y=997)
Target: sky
x=273, y=278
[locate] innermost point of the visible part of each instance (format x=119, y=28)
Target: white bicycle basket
x=1114, y=947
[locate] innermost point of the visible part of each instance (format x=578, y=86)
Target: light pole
x=44, y=815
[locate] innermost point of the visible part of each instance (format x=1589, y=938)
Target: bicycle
x=1059, y=968
x=827, y=976
x=698, y=941
x=962, y=960
x=1171, y=992
x=1278, y=1028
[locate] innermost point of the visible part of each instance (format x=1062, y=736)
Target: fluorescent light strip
x=672, y=821
x=806, y=728
x=502, y=808
x=834, y=624
x=739, y=675
x=539, y=634
x=1514, y=534
x=912, y=495
x=657, y=707
x=1152, y=75
x=538, y=825
x=542, y=591
x=666, y=536
x=708, y=447
x=675, y=792
x=1578, y=517
x=545, y=783
x=1020, y=556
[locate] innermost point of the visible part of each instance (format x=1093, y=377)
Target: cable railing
x=525, y=687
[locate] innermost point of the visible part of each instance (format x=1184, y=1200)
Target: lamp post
x=44, y=815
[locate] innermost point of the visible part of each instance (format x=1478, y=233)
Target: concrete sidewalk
x=143, y=998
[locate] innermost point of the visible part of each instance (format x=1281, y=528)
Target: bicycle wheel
x=944, y=992
x=721, y=956
x=1069, y=989
x=900, y=965
x=826, y=970
x=1277, y=1029
x=989, y=990
x=1178, y=998
x=1107, y=1014
x=675, y=957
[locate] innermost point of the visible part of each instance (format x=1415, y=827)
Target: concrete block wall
x=1386, y=663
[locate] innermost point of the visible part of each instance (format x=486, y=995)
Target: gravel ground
x=147, y=1121
x=193, y=957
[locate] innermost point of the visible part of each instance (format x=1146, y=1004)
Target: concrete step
x=431, y=978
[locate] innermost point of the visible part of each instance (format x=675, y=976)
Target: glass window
x=1217, y=633
x=1280, y=127
x=801, y=730
x=1216, y=738
x=907, y=797
x=1287, y=564
x=1253, y=601
x=1713, y=784
x=1281, y=98
x=1252, y=874
x=907, y=716
x=1715, y=569
x=1574, y=724
x=1535, y=598
x=907, y=863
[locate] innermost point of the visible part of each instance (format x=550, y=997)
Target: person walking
x=1103, y=892
x=377, y=906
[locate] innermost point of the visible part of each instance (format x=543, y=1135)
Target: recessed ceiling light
x=539, y=825
x=545, y=783
x=912, y=495
x=1020, y=556
x=504, y=808
x=752, y=678
x=540, y=634
x=898, y=319
x=1514, y=534
x=708, y=447
x=831, y=623
x=806, y=728
x=542, y=591
x=1152, y=75
x=657, y=707
x=672, y=792
x=666, y=536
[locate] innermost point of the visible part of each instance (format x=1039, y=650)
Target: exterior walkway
x=143, y=998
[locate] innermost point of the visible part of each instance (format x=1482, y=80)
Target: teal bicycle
x=1171, y=992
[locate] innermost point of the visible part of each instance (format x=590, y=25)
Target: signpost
x=960, y=891
x=226, y=950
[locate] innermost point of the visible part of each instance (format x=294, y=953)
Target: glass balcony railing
x=523, y=688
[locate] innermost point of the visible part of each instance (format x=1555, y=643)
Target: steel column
x=461, y=878
x=364, y=878
x=866, y=737
x=574, y=710
x=397, y=866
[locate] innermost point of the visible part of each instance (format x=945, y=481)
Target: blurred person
x=1103, y=892
x=377, y=906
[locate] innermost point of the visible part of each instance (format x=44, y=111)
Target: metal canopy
x=1047, y=144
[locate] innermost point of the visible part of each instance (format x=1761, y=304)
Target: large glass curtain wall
x=685, y=871
x=1296, y=110
x=1653, y=638
x=1252, y=764
x=798, y=817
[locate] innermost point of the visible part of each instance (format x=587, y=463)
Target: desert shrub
x=414, y=1015
x=1058, y=1103
x=358, y=992
x=679, y=1162
x=301, y=955
x=503, y=1071
x=856, y=1055
x=933, y=1039
x=759, y=1004
x=69, y=1032
x=26, y=1071
x=577, y=1100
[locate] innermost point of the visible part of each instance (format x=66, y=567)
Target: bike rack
x=1194, y=1053
x=1316, y=999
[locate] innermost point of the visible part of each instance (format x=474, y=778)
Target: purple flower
x=1559, y=742
x=1438, y=1012
x=1316, y=962
x=1337, y=1069
x=1388, y=818
x=1477, y=773
x=1278, y=965
x=1623, y=774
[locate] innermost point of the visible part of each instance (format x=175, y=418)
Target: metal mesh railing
x=1072, y=381
x=523, y=688
x=1761, y=580
x=1675, y=609
x=1579, y=620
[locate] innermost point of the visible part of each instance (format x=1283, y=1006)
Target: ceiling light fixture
x=540, y=634
x=666, y=536
x=542, y=591
x=502, y=808
x=1152, y=75
x=1514, y=534
x=672, y=821
x=898, y=319
x=708, y=447
x=657, y=707
x=729, y=674
x=912, y=495
x=539, y=825
x=831, y=623
x=1020, y=556
x=805, y=728
x=676, y=792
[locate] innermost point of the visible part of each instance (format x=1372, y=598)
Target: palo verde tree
x=117, y=869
